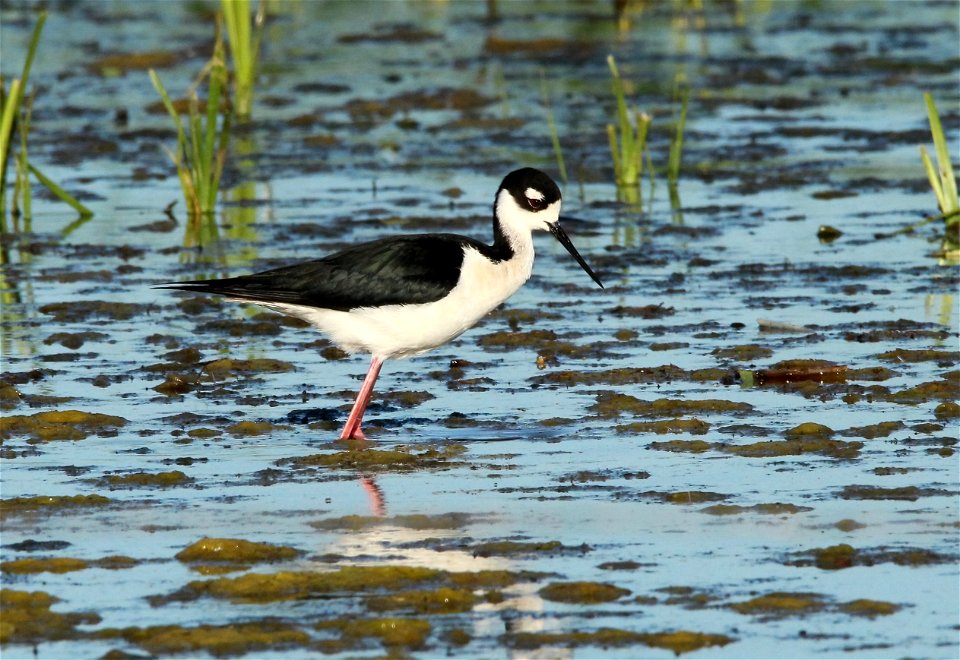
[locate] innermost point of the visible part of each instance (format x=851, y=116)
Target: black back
x=414, y=269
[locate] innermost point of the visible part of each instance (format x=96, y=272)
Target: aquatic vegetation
x=244, y=49
x=238, y=551
x=628, y=146
x=27, y=618
x=218, y=640
x=942, y=181
x=60, y=425
x=15, y=111
x=201, y=152
x=65, y=564
x=170, y=479
x=780, y=604
x=583, y=593
x=443, y=600
x=844, y=555
x=51, y=504
x=552, y=128
x=393, y=632
x=678, y=641
x=676, y=145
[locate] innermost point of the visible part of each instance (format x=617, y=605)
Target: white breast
x=397, y=331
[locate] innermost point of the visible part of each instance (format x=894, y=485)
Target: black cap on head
x=518, y=182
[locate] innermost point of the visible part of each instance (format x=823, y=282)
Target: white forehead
x=533, y=193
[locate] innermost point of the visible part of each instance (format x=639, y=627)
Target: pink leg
x=351, y=431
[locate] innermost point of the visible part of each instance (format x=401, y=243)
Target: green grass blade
x=615, y=153
x=23, y=165
x=11, y=106
x=61, y=194
x=10, y=109
x=32, y=49
x=948, y=196
x=552, y=128
x=676, y=147
x=934, y=178
x=623, y=116
x=168, y=104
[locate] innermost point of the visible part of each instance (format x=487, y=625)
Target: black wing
x=397, y=270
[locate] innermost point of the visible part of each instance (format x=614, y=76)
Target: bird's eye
x=536, y=203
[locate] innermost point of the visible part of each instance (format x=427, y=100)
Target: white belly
x=397, y=331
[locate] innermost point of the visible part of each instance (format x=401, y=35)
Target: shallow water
x=732, y=530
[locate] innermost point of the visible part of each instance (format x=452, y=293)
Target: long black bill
x=561, y=236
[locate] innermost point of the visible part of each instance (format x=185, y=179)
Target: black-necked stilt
x=402, y=296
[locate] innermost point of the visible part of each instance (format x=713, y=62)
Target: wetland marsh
x=583, y=474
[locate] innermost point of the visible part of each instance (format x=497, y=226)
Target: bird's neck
x=504, y=245
x=509, y=239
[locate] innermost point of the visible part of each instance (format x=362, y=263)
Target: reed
x=628, y=145
x=15, y=111
x=942, y=179
x=244, y=41
x=552, y=128
x=676, y=145
x=202, y=144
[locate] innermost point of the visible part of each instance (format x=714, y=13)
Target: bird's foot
x=352, y=434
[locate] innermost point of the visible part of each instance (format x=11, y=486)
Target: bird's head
x=528, y=200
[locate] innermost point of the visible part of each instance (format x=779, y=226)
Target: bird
x=401, y=296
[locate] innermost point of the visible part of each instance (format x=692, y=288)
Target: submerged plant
x=628, y=145
x=942, y=180
x=201, y=151
x=244, y=49
x=552, y=127
x=676, y=146
x=15, y=110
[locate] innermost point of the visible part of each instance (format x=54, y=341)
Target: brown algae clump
x=227, y=367
x=743, y=353
x=878, y=430
x=409, y=521
x=685, y=496
x=402, y=458
x=773, y=509
x=662, y=427
x=238, y=551
x=65, y=564
x=809, y=430
x=512, y=548
x=582, y=593
x=49, y=503
x=904, y=493
x=407, y=633
x=250, y=428
x=613, y=404
x=947, y=410
x=27, y=618
x=169, y=479
x=844, y=556
x=60, y=425
x=619, y=376
x=44, y=565
x=299, y=585
x=438, y=601
x=780, y=604
x=834, y=557
x=796, y=447
x=869, y=608
x=690, y=446
x=232, y=639
x=923, y=355
x=679, y=641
